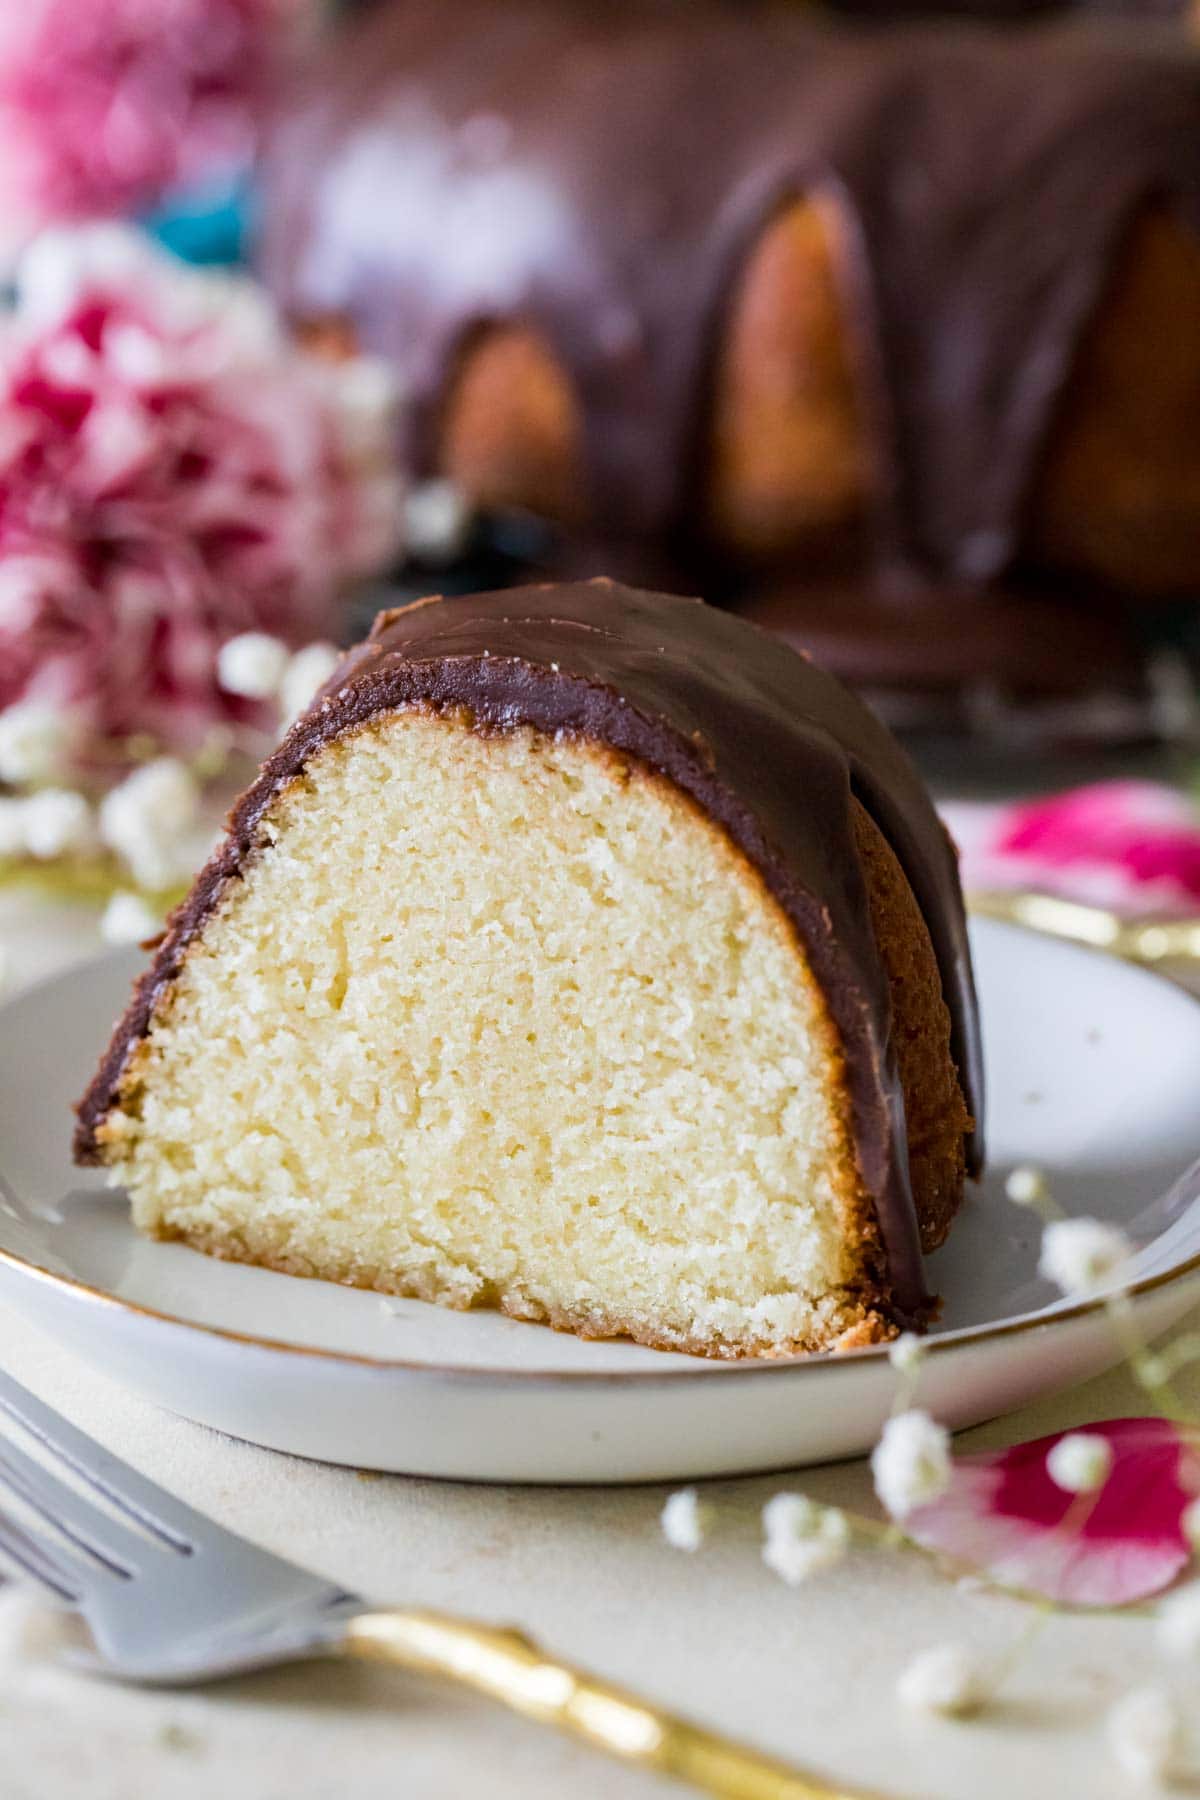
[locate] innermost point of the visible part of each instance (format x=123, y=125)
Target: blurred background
x=878, y=322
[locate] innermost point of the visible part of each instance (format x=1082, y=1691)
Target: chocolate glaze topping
x=1006, y=9
x=601, y=171
x=770, y=747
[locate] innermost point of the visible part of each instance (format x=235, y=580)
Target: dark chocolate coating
x=1007, y=10
x=1026, y=646
x=600, y=171
x=770, y=747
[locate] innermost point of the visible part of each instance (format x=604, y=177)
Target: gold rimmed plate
x=1094, y=1075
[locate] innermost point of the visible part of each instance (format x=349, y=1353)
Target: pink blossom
x=105, y=104
x=172, y=473
x=1005, y=1515
x=1132, y=845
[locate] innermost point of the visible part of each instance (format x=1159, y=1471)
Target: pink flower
x=106, y=104
x=172, y=474
x=1007, y=1516
x=1132, y=845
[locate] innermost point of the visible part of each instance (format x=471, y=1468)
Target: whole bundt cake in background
x=889, y=334
x=581, y=952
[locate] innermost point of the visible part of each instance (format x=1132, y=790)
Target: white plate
x=1094, y=1075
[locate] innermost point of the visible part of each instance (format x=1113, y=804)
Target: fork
x=1150, y=941
x=170, y=1598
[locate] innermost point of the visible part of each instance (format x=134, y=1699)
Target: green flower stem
x=1009, y=1660
x=1151, y=1372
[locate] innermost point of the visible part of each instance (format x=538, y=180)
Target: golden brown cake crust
x=853, y=1323
x=935, y=1112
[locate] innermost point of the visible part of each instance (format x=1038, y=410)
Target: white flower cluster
x=1026, y=1186
x=945, y=1679
x=45, y=825
x=437, y=521
x=259, y=667
x=911, y=1462
x=149, y=822
x=1083, y=1256
x=252, y=665
x=128, y=919
x=1144, y=1734
x=685, y=1520
x=1080, y=1462
x=36, y=740
x=800, y=1537
x=1179, y=1623
x=906, y=1353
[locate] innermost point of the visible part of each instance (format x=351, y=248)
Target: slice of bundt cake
x=581, y=952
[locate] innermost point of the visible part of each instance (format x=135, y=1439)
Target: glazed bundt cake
x=582, y=952
x=892, y=324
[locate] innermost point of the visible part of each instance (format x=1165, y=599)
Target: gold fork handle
x=509, y=1667
x=1138, y=940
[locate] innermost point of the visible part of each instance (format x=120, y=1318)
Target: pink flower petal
x=144, y=522
x=1005, y=1517
x=105, y=106
x=1133, y=845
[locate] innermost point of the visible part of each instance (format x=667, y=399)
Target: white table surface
x=807, y=1673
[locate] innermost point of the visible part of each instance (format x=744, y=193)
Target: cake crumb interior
x=498, y=1019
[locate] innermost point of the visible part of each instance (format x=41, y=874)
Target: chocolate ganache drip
x=600, y=172
x=769, y=746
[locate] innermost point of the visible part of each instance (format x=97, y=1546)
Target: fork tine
x=152, y=1507
x=30, y=1556
x=223, y=1602
x=118, y=1547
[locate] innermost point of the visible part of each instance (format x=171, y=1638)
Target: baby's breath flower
x=1144, y=1733
x=308, y=670
x=1151, y=1370
x=906, y=1352
x=128, y=919
x=35, y=741
x=911, y=1462
x=368, y=394
x=801, y=1537
x=146, y=818
x=437, y=518
x=1179, y=1622
x=946, y=1679
x=253, y=664
x=685, y=1520
x=791, y=1515
x=57, y=821
x=1026, y=1186
x=1080, y=1462
x=1081, y=1256
x=794, y=1560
